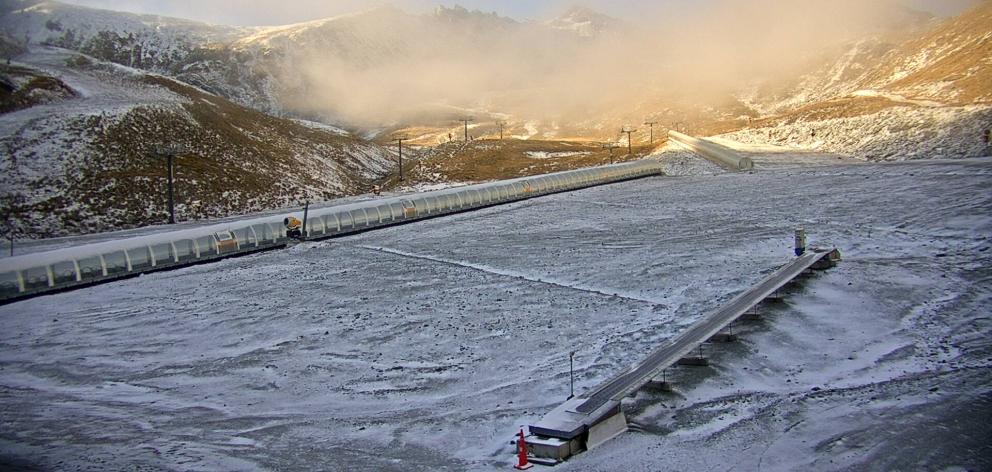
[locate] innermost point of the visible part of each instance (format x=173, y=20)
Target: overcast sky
x=280, y=12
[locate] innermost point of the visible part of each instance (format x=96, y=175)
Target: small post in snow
x=10, y=205
x=400, y=142
x=571, y=375
x=306, y=211
x=466, y=120
x=170, y=152
x=172, y=189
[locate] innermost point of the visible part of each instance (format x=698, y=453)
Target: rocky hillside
x=922, y=93
x=952, y=64
x=142, y=41
x=944, y=62
x=80, y=136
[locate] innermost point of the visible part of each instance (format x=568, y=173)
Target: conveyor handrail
x=665, y=356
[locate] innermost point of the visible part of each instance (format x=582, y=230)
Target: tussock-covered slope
x=951, y=64
x=491, y=159
x=85, y=163
x=922, y=95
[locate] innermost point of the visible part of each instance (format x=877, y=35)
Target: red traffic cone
x=522, y=463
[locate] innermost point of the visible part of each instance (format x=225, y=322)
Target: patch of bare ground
x=846, y=107
x=484, y=160
x=21, y=88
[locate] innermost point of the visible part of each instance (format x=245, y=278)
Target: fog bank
x=387, y=66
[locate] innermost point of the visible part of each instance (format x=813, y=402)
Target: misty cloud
x=388, y=66
x=281, y=12
x=406, y=65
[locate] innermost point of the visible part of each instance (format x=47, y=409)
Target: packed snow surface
x=425, y=346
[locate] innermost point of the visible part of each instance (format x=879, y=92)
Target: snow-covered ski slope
x=425, y=346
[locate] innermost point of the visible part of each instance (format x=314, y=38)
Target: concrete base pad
x=607, y=429
x=545, y=462
x=552, y=450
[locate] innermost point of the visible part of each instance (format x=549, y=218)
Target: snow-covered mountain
x=310, y=69
x=950, y=64
x=172, y=46
x=74, y=119
x=143, y=41
x=922, y=92
x=376, y=67
x=585, y=22
x=945, y=62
